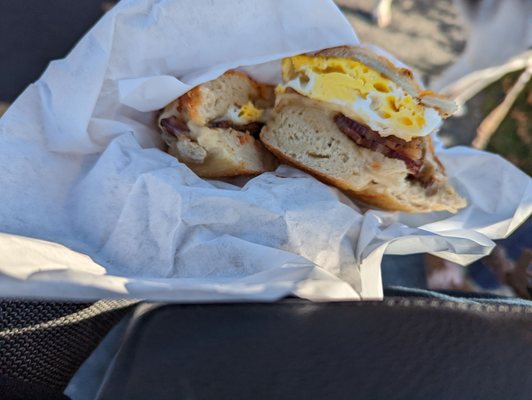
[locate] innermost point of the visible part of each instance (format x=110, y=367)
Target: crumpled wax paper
x=90, y=207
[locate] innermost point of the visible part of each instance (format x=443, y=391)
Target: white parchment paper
x=91, y=208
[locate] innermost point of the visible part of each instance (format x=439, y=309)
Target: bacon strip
x=425, y=177
x=253, y=128
x=411, y=153
x=174, y=126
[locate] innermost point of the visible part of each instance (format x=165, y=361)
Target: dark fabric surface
x=12, y=389
x=456, y=296
x=416, y=348
x=43, y=344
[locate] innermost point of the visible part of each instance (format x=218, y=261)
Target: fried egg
x=371, y=97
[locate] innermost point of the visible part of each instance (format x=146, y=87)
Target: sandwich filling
x=246, y=118
x=369, y=96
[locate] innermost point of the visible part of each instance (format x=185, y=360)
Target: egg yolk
x=249, y=112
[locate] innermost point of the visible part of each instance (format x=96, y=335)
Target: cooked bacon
x=411, y=153
x=174, y=126
x=253, y=128
x=425, y=177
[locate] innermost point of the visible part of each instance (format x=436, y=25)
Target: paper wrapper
x=90, y=207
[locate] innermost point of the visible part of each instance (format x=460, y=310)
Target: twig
x=468, y=86
x=490, y=124
x=382, y=13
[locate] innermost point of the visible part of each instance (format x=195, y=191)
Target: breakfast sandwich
x=214, y=127
x=354, y=120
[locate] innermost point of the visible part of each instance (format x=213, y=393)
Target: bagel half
x=333, y=118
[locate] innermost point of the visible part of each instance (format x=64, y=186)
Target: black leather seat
x=401, y=348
